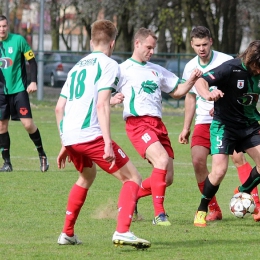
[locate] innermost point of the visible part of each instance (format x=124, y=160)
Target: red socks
x=76, y=200
x=126, y=206
x=155, y=186
x=243, y=174
x=158, y=187
x=145, y=188
x=213, y=204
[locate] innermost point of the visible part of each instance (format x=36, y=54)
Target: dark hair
x=2, y=18
x=200, y=32
x=251, y=56
x=143, y=33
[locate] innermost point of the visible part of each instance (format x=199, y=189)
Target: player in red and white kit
x=141, y=83
x=83, y=118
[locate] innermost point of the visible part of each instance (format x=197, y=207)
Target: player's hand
x=118, y=98
x=211, y=112
x=196, y=73
x=184, y=136
x=214, y=95
x=32, y=87
x=62, y=156
x=109, y=155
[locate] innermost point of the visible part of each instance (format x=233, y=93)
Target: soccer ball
x=242, y=204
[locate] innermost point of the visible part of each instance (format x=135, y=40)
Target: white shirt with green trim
x=203, y=106
x=141, y=84
x=93, y=73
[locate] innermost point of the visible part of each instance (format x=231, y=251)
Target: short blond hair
x=143, y=33
x=103, y=32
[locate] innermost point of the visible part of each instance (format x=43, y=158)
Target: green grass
x=32, y=204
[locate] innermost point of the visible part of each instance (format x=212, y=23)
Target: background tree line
x=230, y=21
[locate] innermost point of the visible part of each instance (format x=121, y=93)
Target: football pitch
x=32, y=204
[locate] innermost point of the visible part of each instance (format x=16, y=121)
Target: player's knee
x=162, y=161
x=198, y=164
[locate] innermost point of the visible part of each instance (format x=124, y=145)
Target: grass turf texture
x=32, y=204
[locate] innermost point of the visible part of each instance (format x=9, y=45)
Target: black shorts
x=225, y=139
x=15, y=106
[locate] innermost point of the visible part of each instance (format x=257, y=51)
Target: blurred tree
x=88, y=12
x=131, y=15
x=223, y=18
x=228, y=21
x=54, y=6
x=252, y=12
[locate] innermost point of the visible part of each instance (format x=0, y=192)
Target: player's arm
x=116, y=98
x=190, y=106
x=59, y=112
x=183, y=88
x=202, y=87
x=33, y=71
x=103, y=113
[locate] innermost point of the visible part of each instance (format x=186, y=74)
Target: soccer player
x=14, y=98
x=235, y=124
x=141, y=83
x=83, y=118
x=206, y=59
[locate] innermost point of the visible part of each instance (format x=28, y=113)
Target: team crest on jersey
x=155, y=73
x=10, y=50
x=259, y=83
x=240, y=84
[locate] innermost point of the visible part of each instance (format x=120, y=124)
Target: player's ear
x=91, y=45
x=112, y=44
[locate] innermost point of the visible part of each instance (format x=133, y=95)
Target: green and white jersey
x=141, y=84
x=16, y=48
x=203, y=106
x=93, y=73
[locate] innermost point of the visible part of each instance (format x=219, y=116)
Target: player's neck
x=103, y=50
x=206, y=60
x=3, y=38
x=137, y=58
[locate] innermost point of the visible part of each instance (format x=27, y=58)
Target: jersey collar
x=243, y=65
x=140, y=63
x=211, y=58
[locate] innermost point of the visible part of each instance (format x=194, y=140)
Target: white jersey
x=141, y=84
x=203, y=106
x=92, y=74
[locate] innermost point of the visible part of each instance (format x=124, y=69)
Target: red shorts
x=201, y=135
x=84, y=154
x=145, y=130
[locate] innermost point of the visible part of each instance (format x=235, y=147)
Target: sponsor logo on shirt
x=5, y=62
x=240, y=84
x=88, y=62
x=247, y=99
x=149, y=86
